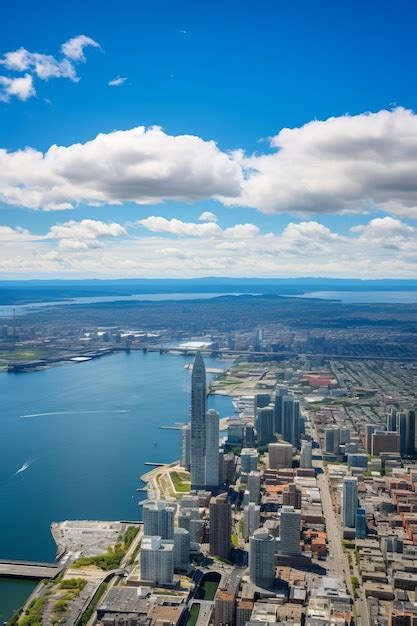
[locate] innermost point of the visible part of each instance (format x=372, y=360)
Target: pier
x=29, y=569
x=153, y=464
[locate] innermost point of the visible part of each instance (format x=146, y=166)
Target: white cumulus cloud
x=21, y=88
x=84, y=234
x=117, y=81
x=208, y=216
x=141, y=165
x=74, y=48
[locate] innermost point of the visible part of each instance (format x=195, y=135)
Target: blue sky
x=234, y=72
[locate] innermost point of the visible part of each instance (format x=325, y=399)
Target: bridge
x=29, y=569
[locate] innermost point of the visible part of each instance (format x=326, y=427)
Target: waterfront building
x=349, y=501
x=280, y=455
x=185, y=446
x=291, y=496
x=280, y=393
x=254, y=486
x=224, y=608
x=361, y=523
x=198, y=424
x=220, y=526
x=248, y=459
x=251, y=519
x=331, y=440
x=386, y=441
x=157, y=561
x=306, y=454
x=181, y=549
x=212, y=450
x=158, y=519
x=289, y=530
x=262, y=559
x=265, y=425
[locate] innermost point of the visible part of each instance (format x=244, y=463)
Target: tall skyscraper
x=262, y=559
x=392, y=420
x=248, y=459
x=265, y=425
x=254, y=486
x=157, y=561
x=158, y=519
x=220, y=526
x=251, y=519
x=306, y=454
x=349, y=501
x=181, y=548
x=198, y=424
x=280, y=393
x=331, y=439
x=291, y=420
x=212, y=450
x=289, y=530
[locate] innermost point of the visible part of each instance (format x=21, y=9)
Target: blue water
x=81, y=454
x=365, y=297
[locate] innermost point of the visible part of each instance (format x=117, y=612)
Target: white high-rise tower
x=212, y=449
x=198, y=424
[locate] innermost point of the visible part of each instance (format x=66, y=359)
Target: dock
x=29, y=569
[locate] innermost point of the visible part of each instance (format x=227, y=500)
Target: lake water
x=74, y=440
x=6, y=310
x=365, y=297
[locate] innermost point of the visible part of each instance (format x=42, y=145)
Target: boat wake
x=25, y=466
x=73, y=413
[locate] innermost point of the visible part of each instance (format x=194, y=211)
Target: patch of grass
x=33, y=614
x=181, y=482
x=73, y=583
x=114, y=555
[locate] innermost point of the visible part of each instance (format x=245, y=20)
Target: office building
x=344, y=435
x=370, y=429
x=244, y=610
x=387, y=441
x=306, y=454
x=357, y=460
x=280, y=393
x=212, y=450
x=291, y=496
x=158, y=519
x=280, y=455
x=251, y=519
x=181, y=549
x=198, y=424
x=361, y=527
x=262, y=400
x=262, y=559
x=289, y=530
x=220, y=526
x=185, y=446
x=290, y=420
x=406, y=427
x=349, y=501
x=392, y=420
x=224, y=608
x=254, y=486
x=331, y=440
x=157, y=561
x=248, y=460
x=265, y=425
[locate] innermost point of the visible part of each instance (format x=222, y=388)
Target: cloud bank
x=345, y=164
